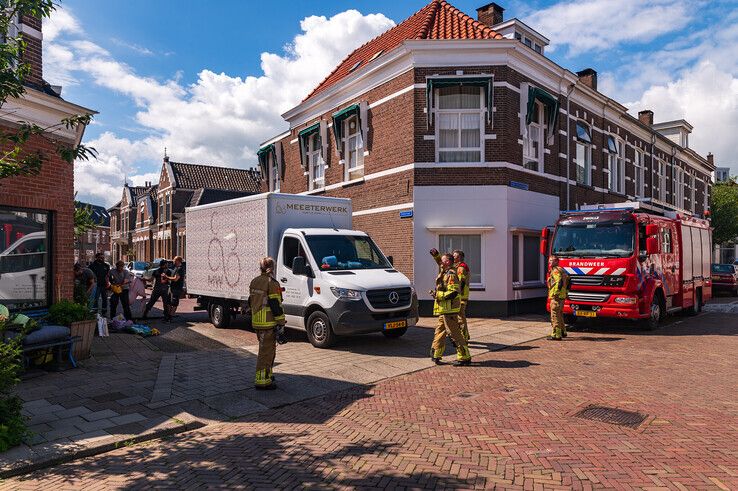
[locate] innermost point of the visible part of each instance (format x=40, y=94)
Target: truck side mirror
x=391, y=260
x=544, y=247
x=298, y=266
x=652, y=230
x=652, y=245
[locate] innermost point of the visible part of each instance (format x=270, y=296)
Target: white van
x=336, y=280
x=23, y=270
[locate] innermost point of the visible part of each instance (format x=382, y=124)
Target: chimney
x=490, y=14
x=646, y=117
x=711, y=159
x=588, y=77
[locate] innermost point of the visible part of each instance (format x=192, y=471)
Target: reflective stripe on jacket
x=557, y=281
x=265, y=293
x=448, y=298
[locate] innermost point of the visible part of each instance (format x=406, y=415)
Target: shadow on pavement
x=711, y=324
x=505, y=364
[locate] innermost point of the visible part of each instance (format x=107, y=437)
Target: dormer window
x=356, y=65
x=537, y=48
x=528, y=42
x=376, y=55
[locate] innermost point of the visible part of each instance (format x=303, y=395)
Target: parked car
x=725, y=278
x=138, y=268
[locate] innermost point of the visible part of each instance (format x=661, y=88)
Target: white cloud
x=595, y=25
x=220, y=118
x=141, y=50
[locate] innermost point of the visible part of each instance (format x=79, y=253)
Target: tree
x=14, y=161
x=724, y=211
x=83, y=220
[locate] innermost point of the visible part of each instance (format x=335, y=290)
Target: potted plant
x=80, y=321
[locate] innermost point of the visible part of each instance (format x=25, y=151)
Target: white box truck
x=335, y=280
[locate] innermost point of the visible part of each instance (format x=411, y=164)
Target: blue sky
x=208, y=80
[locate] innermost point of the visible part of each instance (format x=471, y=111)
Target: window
x=290, y=250
x=616, y=164
x=538, y=48
x=459, y=125
x=692, y=204
x=354, y=153
x=583, y=154
x=24, y=260
x=316, y=165
x=471, y=244
x=161, y=210
x=533, y=141
x=518, y=36
x=640, y=174
x=666, y=241
x=677, y=185
x=168, y=211
x=530, y=268
x=662, y=180
x=528, y=42
x=274, y=174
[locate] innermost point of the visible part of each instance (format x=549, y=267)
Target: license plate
x=395, y=325
x=585, y=313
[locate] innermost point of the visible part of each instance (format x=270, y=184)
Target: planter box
x=86, y=331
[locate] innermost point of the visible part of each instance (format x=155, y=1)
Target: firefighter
x=462, y=271
x=558, y=286
x=446, y=306
x=267, y=319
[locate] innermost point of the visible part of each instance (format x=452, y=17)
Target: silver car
x=138, y=268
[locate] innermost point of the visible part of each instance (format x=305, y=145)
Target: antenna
x=165, y=152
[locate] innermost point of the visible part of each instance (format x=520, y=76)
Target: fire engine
x=626, y=263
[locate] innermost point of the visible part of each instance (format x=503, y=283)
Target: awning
x=583, y=133
x=303, y=137
x=482, y=81
x=338, y=119
x=551, y=104
x=263, y=156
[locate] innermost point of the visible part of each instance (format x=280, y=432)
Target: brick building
x=94, y=240
x=452, y=132
x=149, y=221
x=37, y=212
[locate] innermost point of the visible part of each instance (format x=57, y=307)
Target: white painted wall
x=500, y=207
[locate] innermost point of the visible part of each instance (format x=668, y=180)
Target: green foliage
x=12, y=422
x=80, y=294
x=724, y=211
x=82, y=219
x=64, y=312
x=14, y=161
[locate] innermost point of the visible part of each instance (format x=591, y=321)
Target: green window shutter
x=338, y=119
x=303, y=138
x=263, y=156
x=484, y=81
x=551, y=104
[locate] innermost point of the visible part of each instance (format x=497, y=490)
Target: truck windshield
x=610, y=239
x=342, y=252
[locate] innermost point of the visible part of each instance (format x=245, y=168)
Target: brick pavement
x=507, y=422
x=195, y=374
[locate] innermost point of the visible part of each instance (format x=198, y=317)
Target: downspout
x=568, y=146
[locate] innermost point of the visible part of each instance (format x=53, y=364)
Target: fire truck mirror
x=544, y=247
x=652, y=230
x=652, y=245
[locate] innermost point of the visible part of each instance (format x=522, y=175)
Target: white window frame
x=437, y=115
x=677, y=186
x=587, y=153
x=521, y=262
x=275, y=179
x=315, y=160
x=661, y=171
x=692, y=185
x=640, y=175
x=527, y=141
x=482, y=245
x=617, y=160
x=359, y=151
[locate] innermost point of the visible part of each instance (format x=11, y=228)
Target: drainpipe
x=568, y=146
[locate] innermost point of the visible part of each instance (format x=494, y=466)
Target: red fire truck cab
x=626, y=263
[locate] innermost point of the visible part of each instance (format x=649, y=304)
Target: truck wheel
x=220, y=316
x=655, y=314
x=395, y=333
x=319, y=331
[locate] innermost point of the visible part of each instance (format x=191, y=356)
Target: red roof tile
x=437, y=20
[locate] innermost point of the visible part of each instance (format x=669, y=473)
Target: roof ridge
x=211, y=166
x=475, y=22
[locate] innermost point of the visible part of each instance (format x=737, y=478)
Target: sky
x=208, y=81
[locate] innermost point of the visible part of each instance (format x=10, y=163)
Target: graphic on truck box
x=226, y=266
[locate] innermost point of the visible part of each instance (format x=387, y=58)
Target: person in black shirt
x=160, y=290
x=176, y=284
x=101, y=270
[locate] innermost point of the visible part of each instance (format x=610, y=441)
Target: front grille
x=588, y=297
x=380, y=299
x=589, y=280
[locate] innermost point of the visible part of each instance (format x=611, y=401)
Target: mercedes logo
x=394, y=297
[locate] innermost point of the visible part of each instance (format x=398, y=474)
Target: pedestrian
x=102, y=271
x=447, y=303
x=160, y=290
x=176, y=284
x=558, y=287
x=267, y=319
x=85, y=277
x=120, y=283
x=464, y=274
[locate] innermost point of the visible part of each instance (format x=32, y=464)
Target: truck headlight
x=346, y=294
x=626, y=300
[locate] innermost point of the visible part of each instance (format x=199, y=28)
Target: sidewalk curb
x=66, y=457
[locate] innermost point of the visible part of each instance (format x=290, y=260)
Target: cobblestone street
x=510, y=421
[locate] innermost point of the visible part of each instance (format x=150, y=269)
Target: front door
x=297, y=288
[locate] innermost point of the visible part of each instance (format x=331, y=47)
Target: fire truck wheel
x=652, y=323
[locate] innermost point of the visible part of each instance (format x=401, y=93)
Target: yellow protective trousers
x=450, y=323
x=265, y=359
